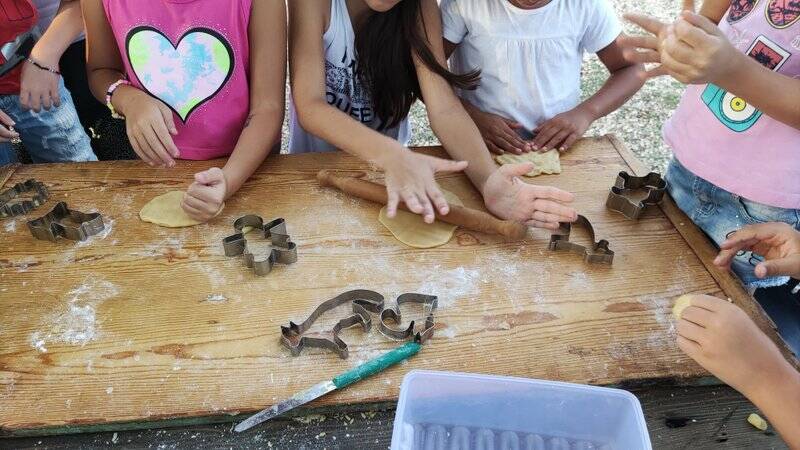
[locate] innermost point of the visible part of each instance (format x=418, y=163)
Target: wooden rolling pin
x=470, y=219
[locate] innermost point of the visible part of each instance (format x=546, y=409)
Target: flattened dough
x=680, y=304
x=165, y=210
x=411, y=230
x=546, y=163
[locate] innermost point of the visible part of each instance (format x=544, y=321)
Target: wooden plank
x=707, y=251
x=6, y=171
x=697, y=418
x=120, y=328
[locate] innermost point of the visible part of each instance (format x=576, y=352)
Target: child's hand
x=562, y=131
x=510, y=198
x=722, y=338
x=205, y=197
x=150, y=127
x=410, y=178
x=778, y=243
x=499, y=132
x=39, y=88
x=6, y=135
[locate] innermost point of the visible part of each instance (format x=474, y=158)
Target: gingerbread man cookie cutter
x=394, y=315
x=39, y=198
x=363, y=303
x=625, y=196
x=282, y=251
x=598, y=253
x=67, y=223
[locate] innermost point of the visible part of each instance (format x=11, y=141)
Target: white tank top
x=343, y=90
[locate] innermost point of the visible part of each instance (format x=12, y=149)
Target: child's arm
x=263, y=128
x=714, y=10
x=724, y=340
x=694, y=51
x=39, y=87
x=149, y=122
x=504, y=194
x=626, y=79
x=778, y=243
x=409, y=176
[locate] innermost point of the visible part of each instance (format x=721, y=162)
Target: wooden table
x=143, y=323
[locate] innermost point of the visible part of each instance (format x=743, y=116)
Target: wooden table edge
x=702, y=246
x=6, y=172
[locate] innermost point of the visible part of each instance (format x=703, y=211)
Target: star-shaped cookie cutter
x=40, y=196
x=283, y=250
x=598, y=253
x=622, y=197
x=393, y=315
x=363, y=303
x=67, y=223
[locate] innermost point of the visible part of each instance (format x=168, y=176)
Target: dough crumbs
x=758, y=422
x=546, y=163
x=681, y=303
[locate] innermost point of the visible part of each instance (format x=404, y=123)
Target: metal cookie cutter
x=598, y=253
x=66, y=223
x=623, y=197
x=364, y=302
x=393, y=315
x=283, y=250
x=40, y=196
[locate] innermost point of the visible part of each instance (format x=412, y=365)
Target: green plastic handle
x=377, y=365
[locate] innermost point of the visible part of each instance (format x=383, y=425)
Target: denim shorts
x=48, y=136
x=719, y=213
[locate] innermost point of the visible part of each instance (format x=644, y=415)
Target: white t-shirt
x=343, y=89
x=530, y=59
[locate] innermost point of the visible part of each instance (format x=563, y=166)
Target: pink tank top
x=721, y=137
x=193, y=55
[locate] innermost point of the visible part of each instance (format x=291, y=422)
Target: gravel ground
x=638, y=123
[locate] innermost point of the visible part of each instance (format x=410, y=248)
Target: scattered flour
x=109, y=390
x=75, y=321
x=109, y=228
x=11, y=226
x=216, y=298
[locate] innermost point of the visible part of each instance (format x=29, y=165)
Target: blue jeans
x=48, y=136
x=719, y=213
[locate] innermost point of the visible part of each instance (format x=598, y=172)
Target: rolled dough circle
x=165, y=210
x=410, y=229
x=681, y=303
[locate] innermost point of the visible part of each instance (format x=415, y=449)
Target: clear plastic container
x=453, y=411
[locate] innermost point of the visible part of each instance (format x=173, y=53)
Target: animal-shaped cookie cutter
x=393, y=315
x=283, y=250
x=598, y=253
x=363, y=303
x=623, y=196
x=39, y=197
x=67, y=223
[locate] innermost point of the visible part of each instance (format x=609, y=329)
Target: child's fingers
x=6, y=120
x=438, y=199
x=391, y=204
x=494, y=148
x=633, y=42
x=412, y=202
x=680, y=71
x=447, y=166
x=708, y=302
x=507, y=146
x=561, y=212
x=194, y=213
x=543, y=225
x=510, y=135
x=165, y=138
x=169, y=120
x=569, y=142
x=697, y=315
x=47, y=101
x=141, y=150
x=557, y=139
x=688, y=5
x=552, y=193
x=546, y=133
x=678, y=50
x=789, y=266
x=647, y=23
x=691, y=331
x=688, y=346
x=689, y=33
x=152, y=140
x=55, y=95
x=541, y=216
x=642, y=56
x=701, y=22
x=203, y=193
x=725, y=257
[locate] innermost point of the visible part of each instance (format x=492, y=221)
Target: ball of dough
x=411, y=229
x=165, y=210
x=681, y=303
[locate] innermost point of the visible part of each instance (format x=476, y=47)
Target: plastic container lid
x=453, y=411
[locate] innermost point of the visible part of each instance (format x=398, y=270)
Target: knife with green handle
x=361, y=372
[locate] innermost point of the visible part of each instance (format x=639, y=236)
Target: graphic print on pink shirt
x=783, y=13
x=183, y=75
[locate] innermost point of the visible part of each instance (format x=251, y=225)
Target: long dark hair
x=384, y=44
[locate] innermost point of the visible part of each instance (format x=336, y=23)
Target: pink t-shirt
x=723, y=139
x=194, y=56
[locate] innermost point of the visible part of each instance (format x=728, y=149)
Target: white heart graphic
x=183, y=76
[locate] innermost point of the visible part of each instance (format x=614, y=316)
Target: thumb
x=445, y=165
x=779, y=267
x=516, y=170
x=210, y=177
x=169, y=120
x=702, y=22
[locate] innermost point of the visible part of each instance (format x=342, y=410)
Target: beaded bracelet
x=42, y=67
x=110, y=93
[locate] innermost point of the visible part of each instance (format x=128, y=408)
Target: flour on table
x=11, y=226
x=74, y=322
